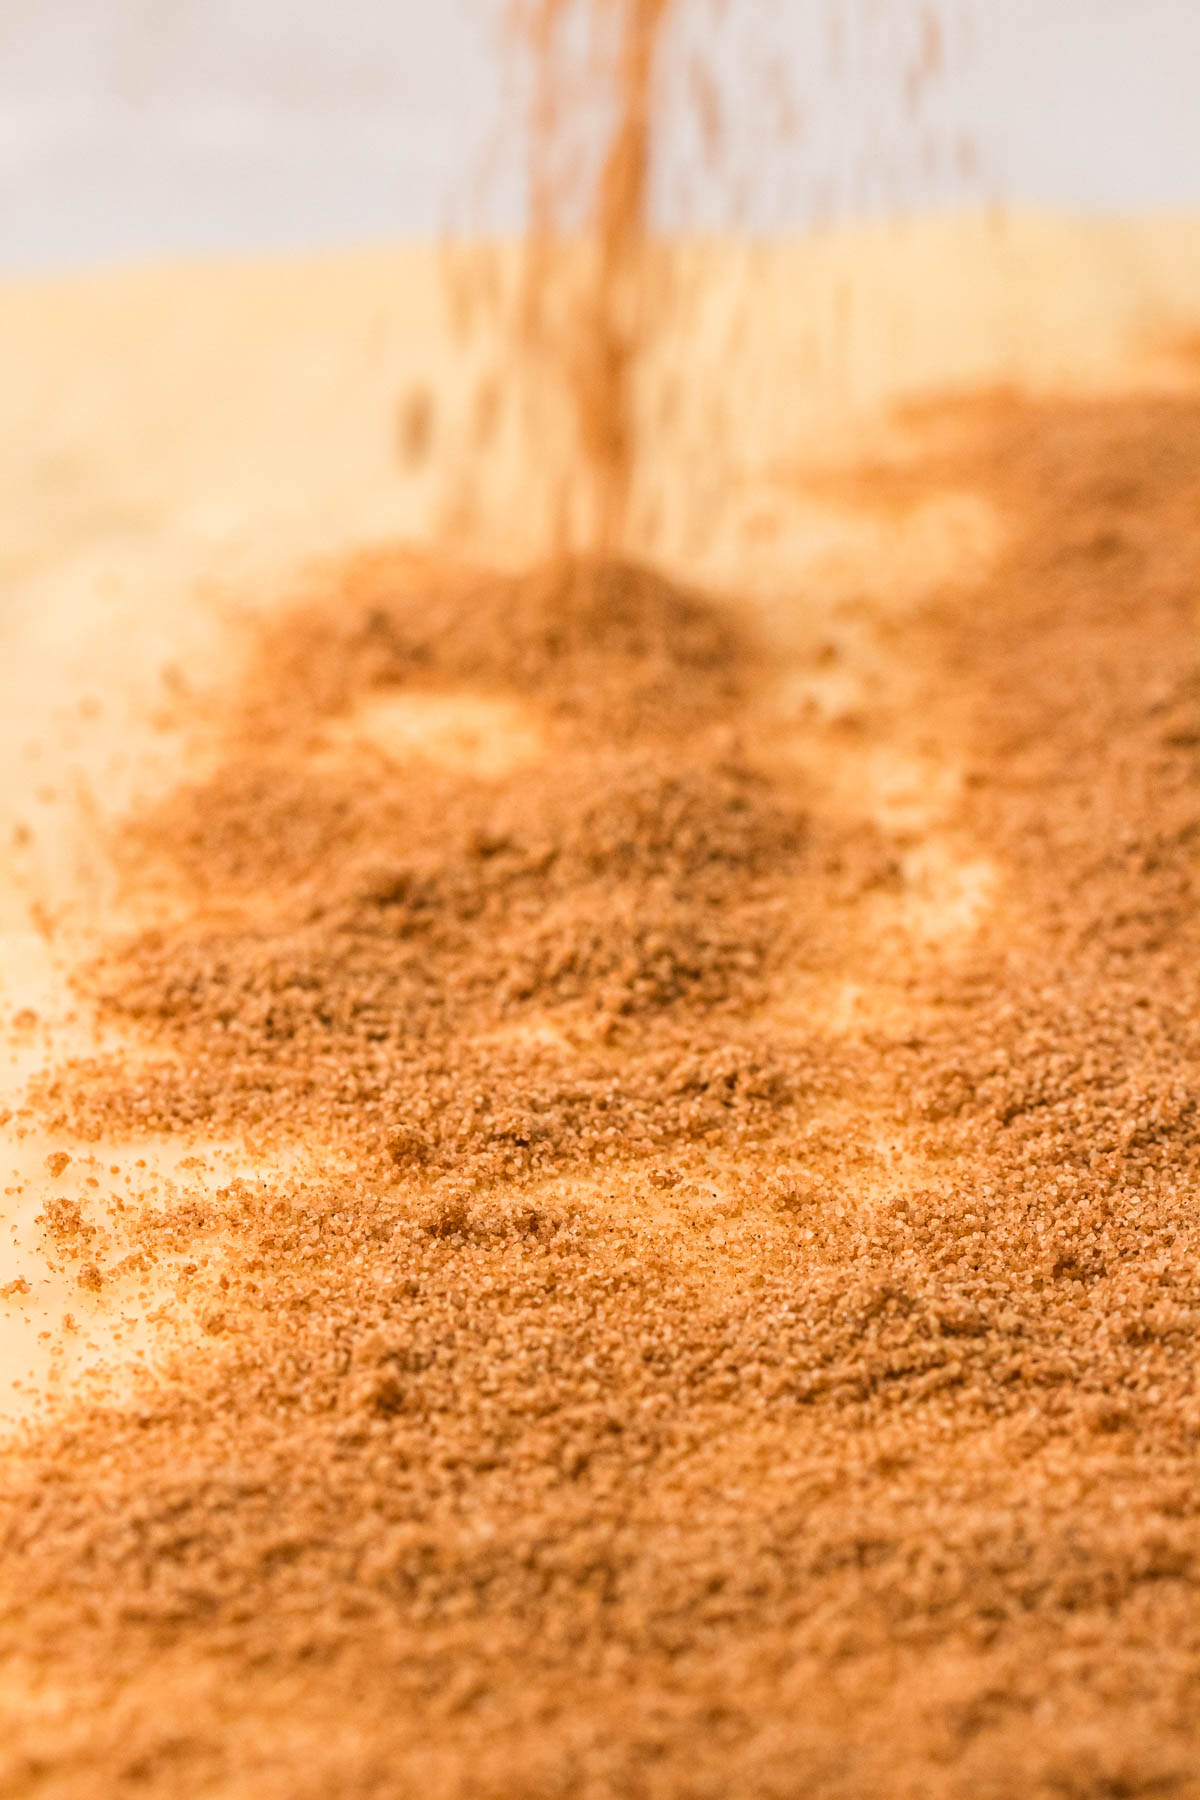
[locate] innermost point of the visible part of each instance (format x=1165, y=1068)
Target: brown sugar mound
x=385, y=952
x=612, y=646
x=639, y=1387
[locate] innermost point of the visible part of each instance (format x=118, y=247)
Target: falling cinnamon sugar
x=612, y=325
x=599, y=296
x=589, y=325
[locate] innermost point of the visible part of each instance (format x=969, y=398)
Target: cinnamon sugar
x=378, y=940
x=635, y=1388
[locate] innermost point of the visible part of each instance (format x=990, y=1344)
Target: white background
x=136, y=128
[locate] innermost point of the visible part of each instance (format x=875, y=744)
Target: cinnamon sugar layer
x=636, y=1387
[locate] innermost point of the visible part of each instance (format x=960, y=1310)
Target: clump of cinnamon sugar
x=483, y=978
x=642, y=1388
